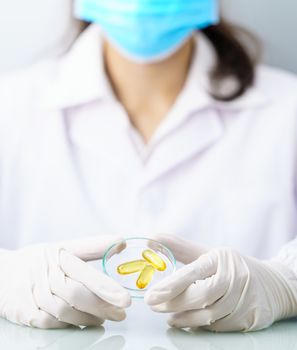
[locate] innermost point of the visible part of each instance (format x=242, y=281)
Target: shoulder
x=24, y=85
x=21, y=93
x=277, y=84
x=279, y=110
x=279, y=91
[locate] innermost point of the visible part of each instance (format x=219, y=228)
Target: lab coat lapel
x=192, y=125
x=202, y=130
x=106, y=136
x=81, y=90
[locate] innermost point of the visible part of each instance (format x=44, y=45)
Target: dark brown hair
x=234, y=59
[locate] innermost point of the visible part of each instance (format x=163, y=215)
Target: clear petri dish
x=131, y=249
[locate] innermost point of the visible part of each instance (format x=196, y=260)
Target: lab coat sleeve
x=6, y=103
x=288, y=256
x=6, y=106
x=18, y=91
x=14, y=91
x=8, y=131
x=288, y=253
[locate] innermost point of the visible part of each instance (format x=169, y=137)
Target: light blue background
x=275, y=22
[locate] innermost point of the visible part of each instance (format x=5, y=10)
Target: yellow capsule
x=131, y=267
x=145, y=277
x=154, y=259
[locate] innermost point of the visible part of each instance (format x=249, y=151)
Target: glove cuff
x=285, y=289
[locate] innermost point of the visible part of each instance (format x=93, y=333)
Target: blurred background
x=31, y=30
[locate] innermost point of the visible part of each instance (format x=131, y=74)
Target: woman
x=156, y=120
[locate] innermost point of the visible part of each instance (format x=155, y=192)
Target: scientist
x=157, y=119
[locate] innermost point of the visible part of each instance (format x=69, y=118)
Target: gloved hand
x=52, y=286
x=222, y=290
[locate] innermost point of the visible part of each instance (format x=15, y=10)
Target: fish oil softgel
x=147, y=267
x=145, y=277
x=131, y=267
x=154, y=259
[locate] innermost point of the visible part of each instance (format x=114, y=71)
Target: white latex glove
x=222, y=290
x=52, y=286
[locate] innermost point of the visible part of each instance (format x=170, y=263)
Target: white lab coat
x=71, y=164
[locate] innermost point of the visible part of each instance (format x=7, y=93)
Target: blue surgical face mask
x=148, y=30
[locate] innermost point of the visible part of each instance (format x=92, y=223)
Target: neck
x=147, y=91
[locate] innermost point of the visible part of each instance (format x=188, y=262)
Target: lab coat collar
x=81, y=76
x=193, y=138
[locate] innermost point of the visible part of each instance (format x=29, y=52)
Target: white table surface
x=145, y=330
